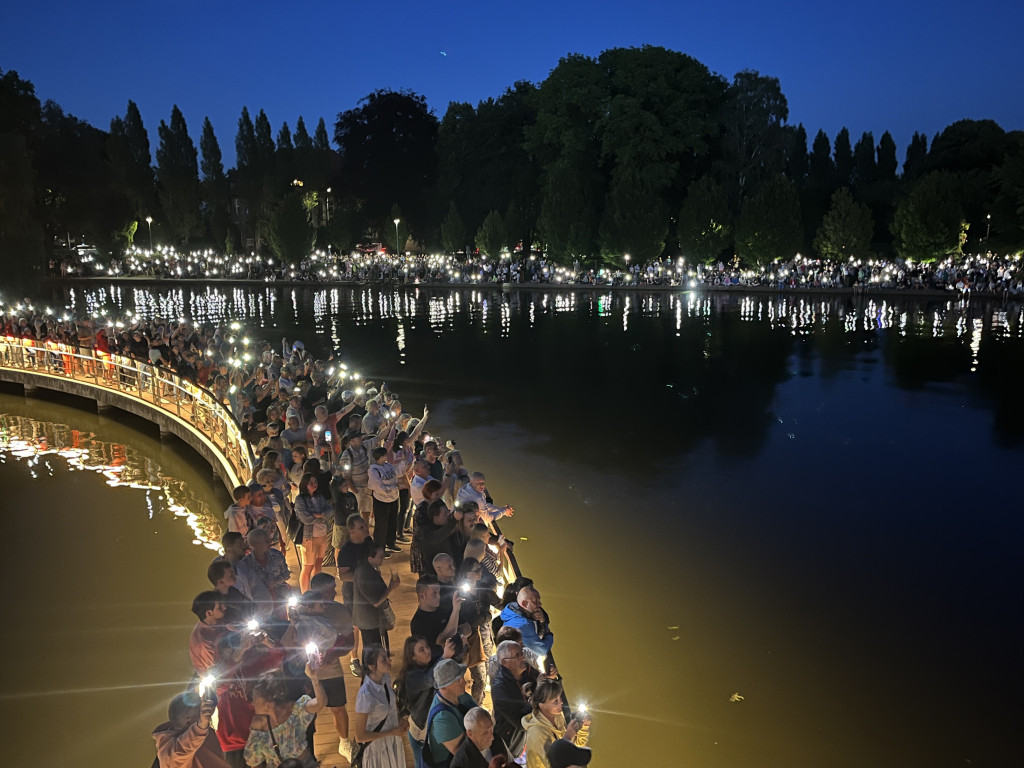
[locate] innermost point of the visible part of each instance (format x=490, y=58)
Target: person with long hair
x=377, y=723
x=547, y=722
x=315, y=512
x=371, y=595
x=415, y=686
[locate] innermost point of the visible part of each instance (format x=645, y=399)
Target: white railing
x=153, y=385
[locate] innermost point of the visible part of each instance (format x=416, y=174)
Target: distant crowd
x=349, y=480
x=985, y=273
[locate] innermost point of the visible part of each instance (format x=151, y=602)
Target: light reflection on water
x=37, y=443
x=98, y=575
x=805, y=500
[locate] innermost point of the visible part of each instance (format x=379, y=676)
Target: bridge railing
x=139, y=381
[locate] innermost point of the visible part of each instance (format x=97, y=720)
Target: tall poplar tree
x=886, y=164
x=178, y=174
x=843, y=158
x=214, y=185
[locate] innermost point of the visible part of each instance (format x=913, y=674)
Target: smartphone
x=327, y=435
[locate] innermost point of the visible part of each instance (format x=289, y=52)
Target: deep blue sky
x=902, y=65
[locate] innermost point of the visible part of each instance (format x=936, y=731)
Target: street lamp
x=149, y=221
x=988, y=225
x=398, y=247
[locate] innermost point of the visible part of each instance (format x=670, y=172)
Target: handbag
x=387, y=615
x=296, y=528
x=357, y=758
x=310, y=761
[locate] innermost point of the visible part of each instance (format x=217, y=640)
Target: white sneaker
x=345, y=749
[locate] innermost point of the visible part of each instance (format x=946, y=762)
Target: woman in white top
x=377, y=722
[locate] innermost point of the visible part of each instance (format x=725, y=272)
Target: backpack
x=428, y=756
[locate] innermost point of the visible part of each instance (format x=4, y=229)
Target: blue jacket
x=536, y=635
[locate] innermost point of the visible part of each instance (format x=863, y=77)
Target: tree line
x=640, y=151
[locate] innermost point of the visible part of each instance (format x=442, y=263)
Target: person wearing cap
x=445, y=729
x=481, y=745
x=565, y=754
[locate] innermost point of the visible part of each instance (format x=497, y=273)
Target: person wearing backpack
x=445, y=730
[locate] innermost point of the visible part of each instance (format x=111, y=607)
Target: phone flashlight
x=253, y=626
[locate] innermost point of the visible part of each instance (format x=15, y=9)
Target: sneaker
x=356, y=667
x=347, y=748
x=408, y=531
x=387, y=554
x=403, y=539
x=393, y=548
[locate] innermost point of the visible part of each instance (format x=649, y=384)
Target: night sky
x=901, y=65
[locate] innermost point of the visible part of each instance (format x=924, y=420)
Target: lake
x=770, y=530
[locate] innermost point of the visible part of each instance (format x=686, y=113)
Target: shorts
x=334, y=687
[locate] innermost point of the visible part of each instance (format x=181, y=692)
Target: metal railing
x=142, y=382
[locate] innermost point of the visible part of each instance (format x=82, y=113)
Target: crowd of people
x=348, y=479
x=987, y=273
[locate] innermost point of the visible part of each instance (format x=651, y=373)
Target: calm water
x=99, y=574
x=811, y=503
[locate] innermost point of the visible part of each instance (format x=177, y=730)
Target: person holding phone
x=546, y=723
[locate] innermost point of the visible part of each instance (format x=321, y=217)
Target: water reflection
x=38, y=443
x=702, y=366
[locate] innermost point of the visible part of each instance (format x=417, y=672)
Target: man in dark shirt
x=431, y=620
x=432, y=455
x=349, y=555
x=435, y=536
x=510, y=703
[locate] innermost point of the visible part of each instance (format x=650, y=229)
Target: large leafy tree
x=491, y=238
x=705, y=221
x=846, y=230
x=21, y=231
x=388, y=158
x=178, y=174
x=755, y=137
x=453, y=230
x=928, y=223
x=635, y=220
x=289, y=232
x=797, y=159
x=768, y=226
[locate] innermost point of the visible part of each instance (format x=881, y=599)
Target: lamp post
x=398, y=247
x=988, y=225
x=149, y=221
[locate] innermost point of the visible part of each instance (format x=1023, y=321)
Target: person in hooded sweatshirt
x=546, y=723
x=186, y=739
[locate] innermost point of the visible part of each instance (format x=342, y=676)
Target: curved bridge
x=177, y=406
